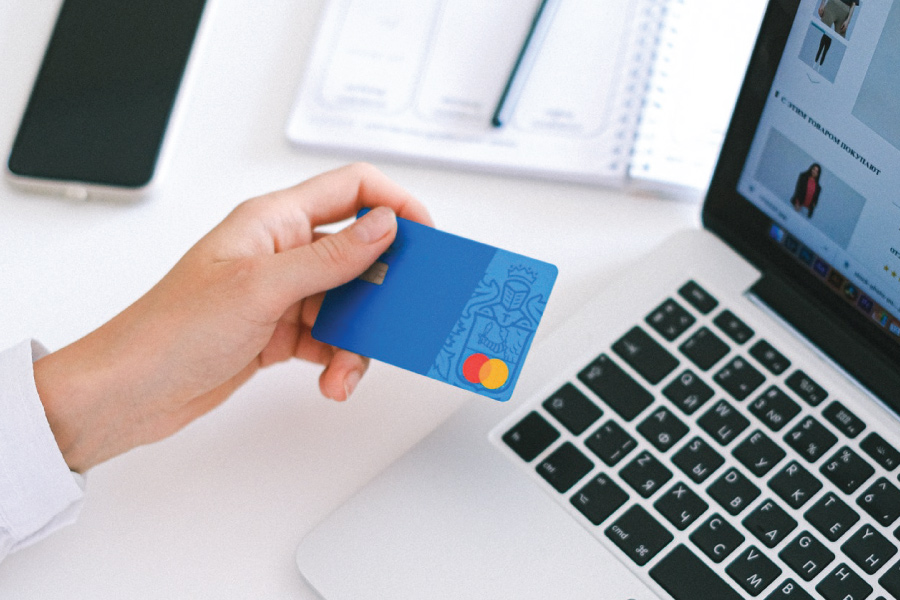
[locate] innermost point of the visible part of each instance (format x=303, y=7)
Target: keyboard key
x=774, y=408
x=670, y=572
x=788, y=590
x=739, y=378
x=881, y=452
x=847, y=470
x=733, y=491
x=723, y=423
x=530, y=436
x=698, y=460
x=843, y=420
x=769, y=523
x=807, y=556
x=662, y=429
x=808, y=390
x=564, y=467
x=882, y=501
x=758, y=453
x=891, y=580
x=670, y=320
x=753, y=571
x=831, y=516
x=610, y=443
x=869, y=549
x=843, y=584
x=704, y=348
x=717, y=538
x=645, y=474
x=645, y=355
x=795, y=485
x=688, y=392
x=733, y=327
x=599, y=499
x=769, y=357
x=615, y=387
x=638, y=535
x=698, y=297
x=681, y=506
x=810, y=439
x=572, y=409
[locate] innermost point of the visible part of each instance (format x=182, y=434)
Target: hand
x=244, y=297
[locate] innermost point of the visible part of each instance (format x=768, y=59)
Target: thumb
x=335, y=259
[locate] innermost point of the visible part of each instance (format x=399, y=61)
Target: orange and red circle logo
x=492, y=373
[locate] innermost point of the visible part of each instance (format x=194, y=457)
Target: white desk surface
x=217, y=510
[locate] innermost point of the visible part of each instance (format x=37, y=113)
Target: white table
x=217, y=510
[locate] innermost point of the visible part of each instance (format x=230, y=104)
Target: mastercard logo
x=492, y=373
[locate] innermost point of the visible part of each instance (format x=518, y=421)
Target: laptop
x=725, y=428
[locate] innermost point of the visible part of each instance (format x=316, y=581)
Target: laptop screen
x=815, y=162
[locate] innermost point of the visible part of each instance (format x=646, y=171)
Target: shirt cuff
x=38, y=492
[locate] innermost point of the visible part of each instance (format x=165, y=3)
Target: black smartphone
x=104, y=96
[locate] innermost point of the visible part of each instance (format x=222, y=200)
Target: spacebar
x=686, y=577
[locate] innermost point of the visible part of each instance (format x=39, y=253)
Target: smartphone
x=96, y=121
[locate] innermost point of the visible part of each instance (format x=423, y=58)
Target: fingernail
x=374, y=225
x=351, y=381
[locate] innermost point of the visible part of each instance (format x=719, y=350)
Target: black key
x=698, y=460
x=704, y=348
x=681, y=506
x=703, y=582
x=788, y=590
x=758, y=453
x=717, y=538
x=891, y=580
x=615, y=387
x=600, y=498
x=572, y=409
x=670, y=320
x=739, y=378
x=645, y=355
x=723, y=423
x=847, y=470
x=881, y=452
x=733, y=491
x=530, y=436
x=843, y=420
x=882, y=501
x=869, y=549
x=733, y=327
x=564, y=467
x=810, y=439
x=769, y=357
x=807, y=556
x=645, y=474
x=753, y=571
x=698, y=297
x=662, y=429
x=688, y=392
x=831, y=516
x=806, y=388
x=843, y=584
x=795, y=485
x=769, y=523
x=774, y=408
x=610, y=443
x=638, y=535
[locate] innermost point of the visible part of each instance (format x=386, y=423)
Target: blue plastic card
x=443, y=306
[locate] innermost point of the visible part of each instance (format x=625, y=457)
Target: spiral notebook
x=420, y=80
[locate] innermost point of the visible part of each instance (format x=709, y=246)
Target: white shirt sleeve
x=38, y=492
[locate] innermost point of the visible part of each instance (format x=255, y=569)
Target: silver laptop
x=722, y=429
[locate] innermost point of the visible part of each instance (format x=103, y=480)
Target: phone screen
x=105, y=90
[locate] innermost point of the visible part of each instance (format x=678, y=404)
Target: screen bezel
x=848, y=337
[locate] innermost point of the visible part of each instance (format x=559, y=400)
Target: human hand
x=244, y=297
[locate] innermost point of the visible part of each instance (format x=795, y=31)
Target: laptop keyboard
x=718, y=466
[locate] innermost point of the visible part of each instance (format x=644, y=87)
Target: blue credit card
x=443, y=306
